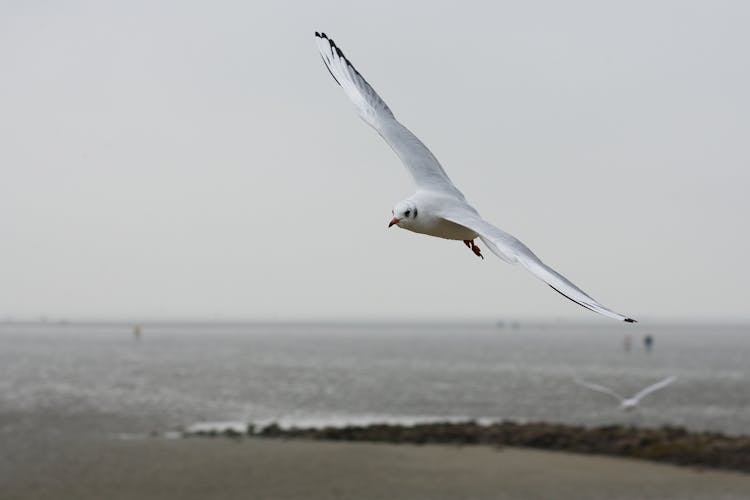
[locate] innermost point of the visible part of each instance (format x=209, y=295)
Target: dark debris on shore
x=673, y=445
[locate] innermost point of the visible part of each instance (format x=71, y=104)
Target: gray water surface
x=100, y=379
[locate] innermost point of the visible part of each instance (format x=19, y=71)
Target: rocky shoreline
x=673, y=445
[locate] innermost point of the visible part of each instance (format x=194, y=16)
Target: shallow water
x=100, y=379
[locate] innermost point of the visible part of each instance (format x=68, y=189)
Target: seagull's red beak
x=393, y=221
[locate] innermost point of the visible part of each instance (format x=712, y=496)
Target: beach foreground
x=258, y=468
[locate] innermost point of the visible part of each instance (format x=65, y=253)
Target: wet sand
x=200, y=468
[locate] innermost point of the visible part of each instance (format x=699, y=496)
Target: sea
x=125, y=380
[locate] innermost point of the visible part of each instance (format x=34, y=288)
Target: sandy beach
x=200, y=468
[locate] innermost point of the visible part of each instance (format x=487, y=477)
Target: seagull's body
x=438, y=208
x=627, y=404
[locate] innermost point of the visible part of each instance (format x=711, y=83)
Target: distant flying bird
x=627, y=404
x=438, y=208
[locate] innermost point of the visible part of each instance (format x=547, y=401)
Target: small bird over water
x=438, y=208
x=627, y=404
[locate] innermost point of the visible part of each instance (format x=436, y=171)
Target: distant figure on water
x=648, y=342
x=627, y=342
x=137, y=332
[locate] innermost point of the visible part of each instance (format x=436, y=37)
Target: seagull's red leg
x=477, y=251
x=474, y=248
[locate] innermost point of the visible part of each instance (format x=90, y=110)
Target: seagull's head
x=404, y=214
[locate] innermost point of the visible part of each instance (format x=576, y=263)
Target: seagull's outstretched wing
x=655, y=387
x=598, y=388
x=513, y=251
x=421, y=163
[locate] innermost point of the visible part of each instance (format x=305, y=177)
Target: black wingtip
x=626, y=320
x=331, y=72
x=571, y=299
x=339, y=53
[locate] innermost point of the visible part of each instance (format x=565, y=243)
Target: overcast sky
x=195, y=159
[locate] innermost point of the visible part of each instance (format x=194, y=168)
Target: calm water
x=87, y=378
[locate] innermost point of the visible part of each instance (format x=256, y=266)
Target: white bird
x=438, y=208
x=627, y=404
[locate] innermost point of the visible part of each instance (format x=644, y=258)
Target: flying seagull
x=627, y=404
x=438, y=208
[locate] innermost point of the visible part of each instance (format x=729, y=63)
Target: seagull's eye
x=407, y=213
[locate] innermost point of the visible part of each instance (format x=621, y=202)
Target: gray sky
x=195, y=159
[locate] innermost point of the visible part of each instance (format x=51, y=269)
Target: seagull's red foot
x=477, y=251
x=474, y=248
